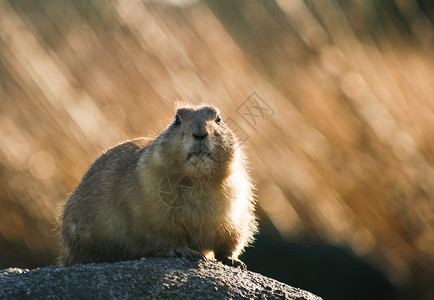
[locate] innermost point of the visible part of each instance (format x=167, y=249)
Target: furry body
x=185, y=193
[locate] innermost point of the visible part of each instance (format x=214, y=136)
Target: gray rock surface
x=151, y=278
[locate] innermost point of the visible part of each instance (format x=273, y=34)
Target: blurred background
x=332, y=98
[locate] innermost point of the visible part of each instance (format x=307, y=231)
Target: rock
x=151, y=278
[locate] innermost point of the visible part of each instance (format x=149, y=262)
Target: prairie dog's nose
x=199, y=132
x=200, y=136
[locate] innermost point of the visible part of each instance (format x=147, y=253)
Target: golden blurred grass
x=342, y=152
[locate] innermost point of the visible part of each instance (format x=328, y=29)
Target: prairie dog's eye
x=218, y=119
x=177, y=121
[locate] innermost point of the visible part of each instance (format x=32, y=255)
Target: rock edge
x=150, y=278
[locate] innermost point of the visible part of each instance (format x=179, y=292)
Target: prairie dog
x=186, y=193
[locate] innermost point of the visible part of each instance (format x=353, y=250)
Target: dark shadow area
x=328, y=271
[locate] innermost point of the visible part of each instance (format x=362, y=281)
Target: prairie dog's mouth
x=198, y=155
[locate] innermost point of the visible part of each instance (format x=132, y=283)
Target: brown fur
x=185, y=193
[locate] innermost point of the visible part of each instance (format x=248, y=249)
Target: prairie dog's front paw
x=188, y=253
x=233, y=262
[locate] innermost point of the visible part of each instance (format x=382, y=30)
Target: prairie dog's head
x=198, y=142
